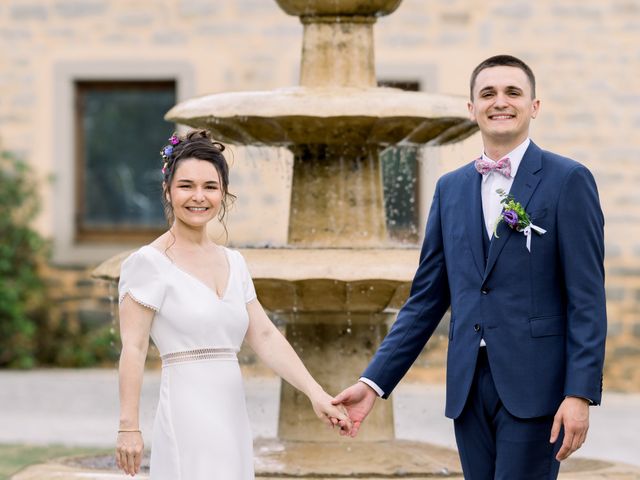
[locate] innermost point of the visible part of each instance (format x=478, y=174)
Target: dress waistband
x=199, y=354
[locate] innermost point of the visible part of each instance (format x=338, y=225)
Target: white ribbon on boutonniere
x=527, y=233
x=515, y=216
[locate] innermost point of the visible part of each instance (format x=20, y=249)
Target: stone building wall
x=585, y=53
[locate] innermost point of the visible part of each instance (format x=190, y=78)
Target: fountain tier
x=328, y=115
x=335, y=134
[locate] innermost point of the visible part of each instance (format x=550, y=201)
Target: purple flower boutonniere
x=514, y=215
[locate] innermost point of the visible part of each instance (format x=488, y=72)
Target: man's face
x=502, y=104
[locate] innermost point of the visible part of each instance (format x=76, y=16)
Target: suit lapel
x=524, y=184
x=473, y=209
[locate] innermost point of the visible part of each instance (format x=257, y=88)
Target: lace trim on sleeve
x=139, y=302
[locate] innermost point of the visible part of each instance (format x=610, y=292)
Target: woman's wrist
x=128, y=425
x=314, y=391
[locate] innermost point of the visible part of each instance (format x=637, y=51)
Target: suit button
x=484, y=291
x=476, y=327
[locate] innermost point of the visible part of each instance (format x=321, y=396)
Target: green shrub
x=22, y=290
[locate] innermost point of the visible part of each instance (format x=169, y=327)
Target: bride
x=196, y=300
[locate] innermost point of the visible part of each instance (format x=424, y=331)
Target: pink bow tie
x=502, y=166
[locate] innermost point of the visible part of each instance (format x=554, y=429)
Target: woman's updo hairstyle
x=197, y=145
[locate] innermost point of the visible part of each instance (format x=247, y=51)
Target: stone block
x=120, y=38
x=29, y=11
x=447, y=38
x=289, y=31
x=15, y=34
x=456, y=18
x=80, y=8
x=135, y=19
x=254, y=6
x=169, y=38
x=627, y=9
x=198, y=7
x=517, y=10
x=568, y=13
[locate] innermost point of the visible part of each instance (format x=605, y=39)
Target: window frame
x=113, y=233
x=60, y=148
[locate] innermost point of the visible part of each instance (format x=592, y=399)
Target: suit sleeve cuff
x=591, y=402
x=373, y=385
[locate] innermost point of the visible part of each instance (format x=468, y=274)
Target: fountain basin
x=338, y=7
x=299, y=280
x=328, y=115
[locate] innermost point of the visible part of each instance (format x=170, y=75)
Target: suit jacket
x=542, y=313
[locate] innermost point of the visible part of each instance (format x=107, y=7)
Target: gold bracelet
x=129, y=431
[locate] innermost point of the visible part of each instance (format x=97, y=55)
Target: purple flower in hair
x=167, y=151
x=174, y=140
x=510, y=217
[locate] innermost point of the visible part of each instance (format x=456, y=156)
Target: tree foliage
x=22, y=290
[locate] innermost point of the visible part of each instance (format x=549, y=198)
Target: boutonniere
x=514, y=215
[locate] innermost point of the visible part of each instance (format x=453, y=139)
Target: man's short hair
x=503, y=61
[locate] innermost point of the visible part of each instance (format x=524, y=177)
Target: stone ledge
x=364, y=460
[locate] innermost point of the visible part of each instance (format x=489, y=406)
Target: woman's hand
x=331, y=415
x=129, y=447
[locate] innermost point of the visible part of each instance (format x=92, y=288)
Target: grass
x=16, y=457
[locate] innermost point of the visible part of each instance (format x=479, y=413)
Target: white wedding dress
x=201, y=429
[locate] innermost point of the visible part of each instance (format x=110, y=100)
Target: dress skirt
x=201, y=429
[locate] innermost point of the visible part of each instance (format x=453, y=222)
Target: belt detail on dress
x=198, y=354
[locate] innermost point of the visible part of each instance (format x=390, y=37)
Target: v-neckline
x=194, y=277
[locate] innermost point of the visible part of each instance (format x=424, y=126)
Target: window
x=119, y=132
x=400, y=185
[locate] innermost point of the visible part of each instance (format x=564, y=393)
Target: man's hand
x=573, y=415
x=358, y=399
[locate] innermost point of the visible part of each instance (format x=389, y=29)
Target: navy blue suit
x=542, y=313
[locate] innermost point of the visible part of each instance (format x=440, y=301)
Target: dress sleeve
x=248, y=289
x=140, y=279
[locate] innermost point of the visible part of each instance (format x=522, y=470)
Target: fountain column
x=336, y=201
x=336, y=197
x=337, y=51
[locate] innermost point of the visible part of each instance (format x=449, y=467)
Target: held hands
x=358, y=400
x=330, y=414
x=129, y=447
x=573, y=415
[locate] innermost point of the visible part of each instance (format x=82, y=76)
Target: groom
x=528, y=319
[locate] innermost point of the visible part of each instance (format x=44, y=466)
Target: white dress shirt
x=493, y=181
x=491, y=207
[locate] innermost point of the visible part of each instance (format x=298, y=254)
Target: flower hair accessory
x=514, y=215
x=167, y=151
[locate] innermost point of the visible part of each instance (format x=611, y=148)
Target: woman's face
x=195, y=192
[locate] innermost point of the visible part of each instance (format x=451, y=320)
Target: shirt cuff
x=373, y=385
